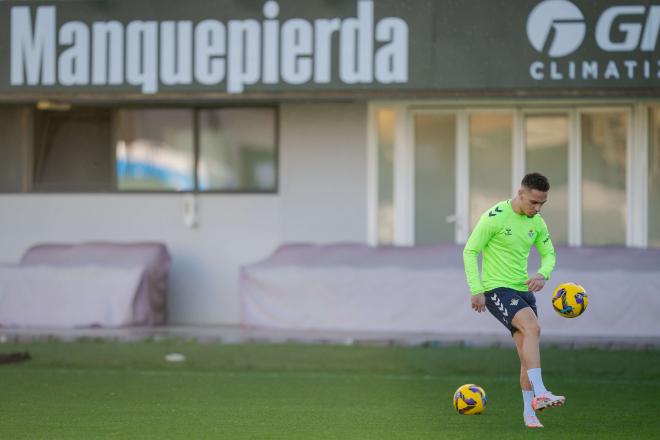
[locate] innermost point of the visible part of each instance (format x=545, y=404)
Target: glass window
x=154, y=150
x=72, y=150
x=237, y=149
x=435, y=171
x=604, y=137
x=64, y=148
x=386, y=121
x=491, y=138
x=546, y=143
x=15, y=142
x=654, y=177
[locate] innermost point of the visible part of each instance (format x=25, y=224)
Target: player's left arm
x=546, y=250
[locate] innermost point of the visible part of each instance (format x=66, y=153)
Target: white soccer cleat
x=531, y=421
x=547, y=400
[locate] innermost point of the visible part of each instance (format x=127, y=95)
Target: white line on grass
x=312, y=375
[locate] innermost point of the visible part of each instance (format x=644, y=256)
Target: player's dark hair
x=536, y=181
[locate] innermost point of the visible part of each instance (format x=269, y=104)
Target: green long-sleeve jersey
x=505, y=238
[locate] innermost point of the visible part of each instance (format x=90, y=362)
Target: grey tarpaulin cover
x=89, y=284
x=423, y=289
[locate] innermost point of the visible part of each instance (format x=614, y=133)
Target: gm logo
x=556, y=27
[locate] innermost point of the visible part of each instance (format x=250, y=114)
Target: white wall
x=323, y=172
x=322, y=198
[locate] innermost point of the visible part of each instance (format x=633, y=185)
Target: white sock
x=528, y=396
x=534, y=375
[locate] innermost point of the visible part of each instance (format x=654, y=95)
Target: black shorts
x=503, y=303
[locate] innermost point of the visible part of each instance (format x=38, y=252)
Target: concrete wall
x=322, y=198
x=323, y=172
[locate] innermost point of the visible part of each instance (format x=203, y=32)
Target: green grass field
x=95, y=390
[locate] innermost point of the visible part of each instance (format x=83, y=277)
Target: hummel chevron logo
x=497, y=211
x=499, y=305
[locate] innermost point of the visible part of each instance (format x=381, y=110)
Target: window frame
x=645, y=125
x=196, y=148
x=637, y=112
x=26, y=151
x=28, y=188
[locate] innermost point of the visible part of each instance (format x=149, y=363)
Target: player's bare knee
x=536, y=329
x=530, y=328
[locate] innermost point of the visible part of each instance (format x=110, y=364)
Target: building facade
x=225, y=129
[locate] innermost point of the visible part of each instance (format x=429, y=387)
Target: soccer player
x=505, y=234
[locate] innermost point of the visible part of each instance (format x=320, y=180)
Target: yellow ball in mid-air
x=470, y=399
x=570, y=300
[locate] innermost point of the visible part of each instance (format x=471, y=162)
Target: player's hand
x=536, y=282
x=479, y=303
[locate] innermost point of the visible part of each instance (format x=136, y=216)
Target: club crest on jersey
x=531, y=233
x=507, y=232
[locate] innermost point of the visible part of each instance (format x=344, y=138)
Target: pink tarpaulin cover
x=423, y=289
x=90, y=284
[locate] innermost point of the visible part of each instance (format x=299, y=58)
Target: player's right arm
x=481, y=235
